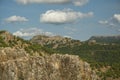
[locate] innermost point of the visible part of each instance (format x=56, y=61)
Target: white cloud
x=103, y=22
x=67, y=36
x=75, y=2
x=31, y=32
x=80, y=2
x=62, y=16
x=113, y=21
x=16, y=19
x=117, y=17
x=42, y=1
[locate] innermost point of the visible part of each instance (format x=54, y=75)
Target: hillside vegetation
x=103, y=53
x=23, y=60
x=106, y=39
x=8, y=40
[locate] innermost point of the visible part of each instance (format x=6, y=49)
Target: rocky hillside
x=16, y=63
x=102, y=53
x=54, y=41
x=8, y=40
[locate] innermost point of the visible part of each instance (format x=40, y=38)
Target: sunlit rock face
x=18, y=65
x=54, y=41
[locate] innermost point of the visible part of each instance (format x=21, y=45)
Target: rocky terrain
x=16, y=63
x=54, y=41
x=101, y=52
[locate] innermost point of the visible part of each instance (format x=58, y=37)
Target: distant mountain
x=106, y=39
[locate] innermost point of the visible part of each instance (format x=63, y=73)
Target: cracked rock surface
x=18, y=65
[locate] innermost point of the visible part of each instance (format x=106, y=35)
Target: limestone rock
x=21, y=66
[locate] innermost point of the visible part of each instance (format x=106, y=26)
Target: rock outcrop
x=54, y=41
x=18, y=65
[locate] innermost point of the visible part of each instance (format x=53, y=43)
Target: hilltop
x=54, y=41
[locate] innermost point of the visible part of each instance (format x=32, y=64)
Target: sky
x=77, y=19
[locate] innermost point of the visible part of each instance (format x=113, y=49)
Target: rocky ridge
x=16, y=63
x=54, y=41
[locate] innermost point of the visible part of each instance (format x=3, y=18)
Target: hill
x=23, y=60
x=103, y=56
x=54, y=41
x=106, y=39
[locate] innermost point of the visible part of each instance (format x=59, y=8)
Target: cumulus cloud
x=16, y=19
x=62, y=16
x=31, y=32
x=116, y=17
x=113, y=21
x=75, y=2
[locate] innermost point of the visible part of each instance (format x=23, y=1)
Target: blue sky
x=79, y=19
